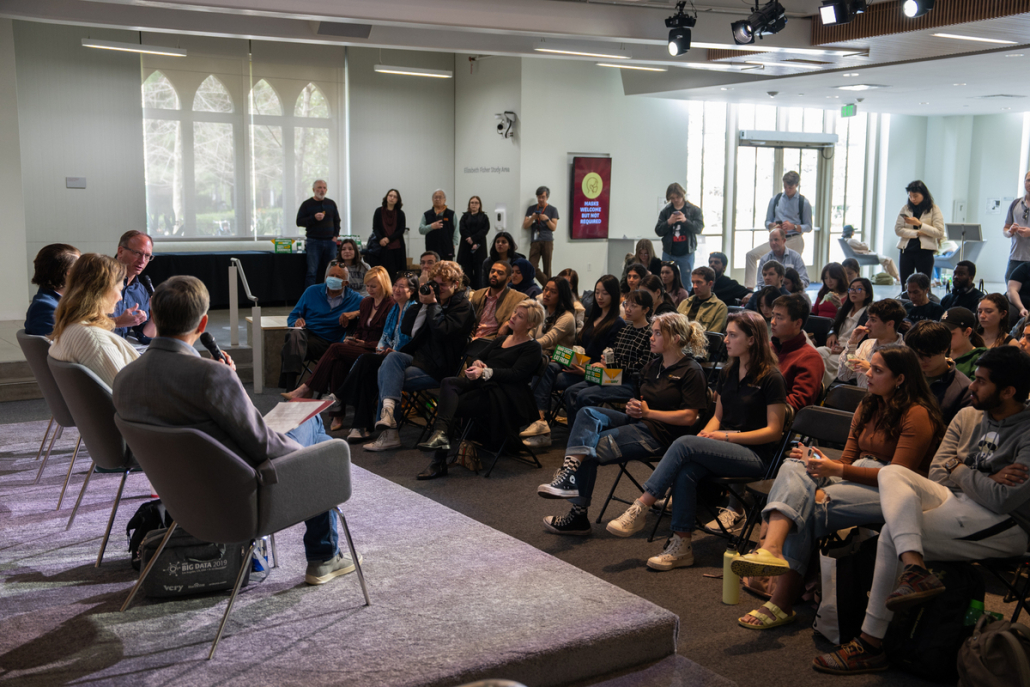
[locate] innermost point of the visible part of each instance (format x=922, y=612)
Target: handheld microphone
x=212, y=346
x=145, y=280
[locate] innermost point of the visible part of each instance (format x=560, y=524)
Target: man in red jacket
x=800, y=364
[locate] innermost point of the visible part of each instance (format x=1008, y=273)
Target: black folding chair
x=819, y=328
x=844, y=397
x=423, y=403
x=716, y=355
x=730, y=309
x=1018, y=581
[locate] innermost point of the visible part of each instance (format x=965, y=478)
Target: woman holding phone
x=920, y=226
x=898, y=422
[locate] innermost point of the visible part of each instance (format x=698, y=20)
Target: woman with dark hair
x=572, y=277
x=739, y=441
x=851, y=314
x=52, y=265
x=920, y=226
x=644, y=255
x=673, y=282
x=792, y=282
x=661, y=299
x=897, y=423
x=679, y=225
x=559, y=325
x=993, y=314
x=388, y=227
x=473, y=229
x=833, y=293
x=602, y=326
x=766, y=297
x=350, y=257
x=522, y=278
x=502, y=248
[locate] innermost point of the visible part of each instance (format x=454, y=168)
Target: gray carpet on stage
x=453, y=600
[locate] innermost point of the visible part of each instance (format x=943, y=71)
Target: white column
x=14, y=276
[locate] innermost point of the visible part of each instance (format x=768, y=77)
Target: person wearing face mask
x=920, y=228
x=319, y=320
x=963, y=293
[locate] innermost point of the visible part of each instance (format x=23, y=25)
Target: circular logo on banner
x=592, y=185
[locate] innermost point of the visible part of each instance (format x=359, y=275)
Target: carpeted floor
x=452, y=600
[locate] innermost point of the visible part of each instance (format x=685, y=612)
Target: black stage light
x=835, y=12
x=916, y=8
x=743, y=34
x=764, y=21
x=679, y=26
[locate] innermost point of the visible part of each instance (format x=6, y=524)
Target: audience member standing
x=1017, y=228
x=963, y=293
x=51, y=268
x=993, y=315
x=728, y=290
x=437, y=226
x=388, y=227
x=966, y=343
x=920, y=226
x=321, y=221
x=920, y=307
x=704, y=307
x=132, y=313
x=542, y=221
x=473, y=230
x=679, y=225
x=789, y=211
x=882, y=323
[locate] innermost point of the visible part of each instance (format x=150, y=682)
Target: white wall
x=79, y=114
x=948, y=149
x=13, y=277
x=906, y=159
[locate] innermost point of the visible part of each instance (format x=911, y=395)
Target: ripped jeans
x=846, y=504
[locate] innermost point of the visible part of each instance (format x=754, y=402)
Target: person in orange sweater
x=897, y=423
x=800, y=364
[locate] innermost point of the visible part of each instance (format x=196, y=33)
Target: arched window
x=214, y=161
x=159, y=93
x=212, y=97
x=162, y=156
x=311, y=103
x=268, y=160
x=311, y=141
x=264, y=100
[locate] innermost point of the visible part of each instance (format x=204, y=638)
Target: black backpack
x=149, y=517
x=924, y=640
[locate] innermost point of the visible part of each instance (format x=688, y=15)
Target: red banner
x=591, y=194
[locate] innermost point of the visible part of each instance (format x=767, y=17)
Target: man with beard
x=963, y=293
x=727, y=290
x=494, y=304
x=974, y=505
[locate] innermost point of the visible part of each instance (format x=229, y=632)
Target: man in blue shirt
x=788, y=257
x=322, y=315
x=132, y=313
x=789, y=211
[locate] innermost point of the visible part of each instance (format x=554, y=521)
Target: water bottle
x=730, y=580
x=973, y=613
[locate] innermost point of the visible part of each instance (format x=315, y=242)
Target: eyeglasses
x=856, y=289
x=147, y=257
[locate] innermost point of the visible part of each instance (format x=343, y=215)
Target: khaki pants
x=797, y=242
x=544, y=249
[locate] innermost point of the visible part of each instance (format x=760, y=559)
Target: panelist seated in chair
x=740, y=440
x=495, y=390
x=51, y=266
x=440, y=332
x=974, y=505
x=84, y=332
x=322, y=315
x=669, y=398
x=171, y=385
x=897, y=423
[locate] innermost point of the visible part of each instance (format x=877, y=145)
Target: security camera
x=505, y=124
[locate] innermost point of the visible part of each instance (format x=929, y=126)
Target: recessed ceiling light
x=784, y=64
x=633, y=66
x=1006, y=108
x=859, y=87
x=960, y=37
x=924, y=103
x=1015, y=54
x=133, y=47
x=850, y=74
x=582, y=54
x=413, y=71
x=725, y=88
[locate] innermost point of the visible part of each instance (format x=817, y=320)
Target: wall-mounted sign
x=591, y=195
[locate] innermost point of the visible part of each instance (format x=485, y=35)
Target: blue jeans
x=846, y=504
x=319, y=252
x=685, y=262
x=603, y=437
x=586, y=395
x=396, y=375
x=688, y=461
x=552, y=379
x=321, y=541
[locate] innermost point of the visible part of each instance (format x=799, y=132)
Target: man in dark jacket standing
x=439, y=335
x=321, y=220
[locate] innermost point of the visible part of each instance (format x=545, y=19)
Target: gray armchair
x=37, y=350
x=861, y=258
x=220, y=498
x=89, y=401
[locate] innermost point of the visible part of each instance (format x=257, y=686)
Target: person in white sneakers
x=740, y=439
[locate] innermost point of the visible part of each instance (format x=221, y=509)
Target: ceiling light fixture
x=960, y=37
x=414, y=71
x=133, y=47
x=633, y=66
x=1015, y=54
x=764, y=21
x=798, y=65
x=916, y=8
x=582, y=54
x=679, y=26
x=840, y=11
x=859, y=87
x=850, y=74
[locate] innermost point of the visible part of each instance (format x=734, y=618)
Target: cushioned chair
x=36, y=350
x=951, y=259
x=89, y=401
x=861, y=258
x=218, y=497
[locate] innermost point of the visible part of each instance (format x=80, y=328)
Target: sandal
x=336, y=425
x=758, y=564
x=766, y=623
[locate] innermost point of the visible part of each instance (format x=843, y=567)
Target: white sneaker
x=358, y=434
x=386, y=418
x=678, y=553
x=389, y=439
x=539, y=441
x=536, y=429
x=731, y=521
x=630, y=522
x=662, y=504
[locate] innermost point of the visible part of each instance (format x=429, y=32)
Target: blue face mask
x=333, y=283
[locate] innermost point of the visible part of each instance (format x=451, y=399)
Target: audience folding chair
x=730, y=309
x=716, y=355
x=1018, y=568
x=819, y=328
x=623, y=471
x=845, y=397
x=424, y=402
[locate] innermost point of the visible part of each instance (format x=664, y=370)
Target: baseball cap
x=959, y=318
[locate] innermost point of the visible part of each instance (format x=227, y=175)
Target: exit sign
x=848, y=110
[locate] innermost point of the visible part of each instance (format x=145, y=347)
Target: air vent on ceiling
x=999, y=95
x=326, y=28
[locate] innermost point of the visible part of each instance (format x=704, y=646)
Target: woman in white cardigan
x=920, y=225
x=83, y=329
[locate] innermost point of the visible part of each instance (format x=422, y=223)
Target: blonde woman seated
x=83, y=328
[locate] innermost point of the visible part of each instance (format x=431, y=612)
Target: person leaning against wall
x=1017, y=228
x=679, y=224
x=541, y=220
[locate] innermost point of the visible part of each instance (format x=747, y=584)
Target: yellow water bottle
x=730, y=580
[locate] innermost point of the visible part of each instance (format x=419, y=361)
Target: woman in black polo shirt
x=670, y=395
x=739, y=440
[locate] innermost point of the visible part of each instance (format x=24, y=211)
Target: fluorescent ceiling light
x=582, y=54
x=859, y=87
x=633, y=66
x=414, y=71
x=799, y=51
x=960, y=37
x=133, y=47
x=784, y=64
x=849, y=74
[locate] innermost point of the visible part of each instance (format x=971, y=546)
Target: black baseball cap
x=959, y=318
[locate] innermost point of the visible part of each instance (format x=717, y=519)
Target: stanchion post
x=234, y=308
x=257, y=347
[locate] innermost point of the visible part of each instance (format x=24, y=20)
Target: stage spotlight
x=679, y=26
x=742, y=32
x=840, y=11
x=916, y=8
x=764, y=21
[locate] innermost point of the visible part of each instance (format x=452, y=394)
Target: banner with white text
x=591, y=194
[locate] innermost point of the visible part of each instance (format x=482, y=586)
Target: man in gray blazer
x=171, y=385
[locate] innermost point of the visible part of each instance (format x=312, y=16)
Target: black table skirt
x=275, y=278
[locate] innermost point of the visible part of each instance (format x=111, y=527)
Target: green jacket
x=711, y=315
x=966, y=364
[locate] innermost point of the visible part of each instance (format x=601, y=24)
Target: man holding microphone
x=321, y=220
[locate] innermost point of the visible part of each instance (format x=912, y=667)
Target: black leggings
x=360, y=390
x=916, y=260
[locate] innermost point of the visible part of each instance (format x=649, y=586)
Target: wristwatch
x=951, y=463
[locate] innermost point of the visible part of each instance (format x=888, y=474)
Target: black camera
x=430, y=287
